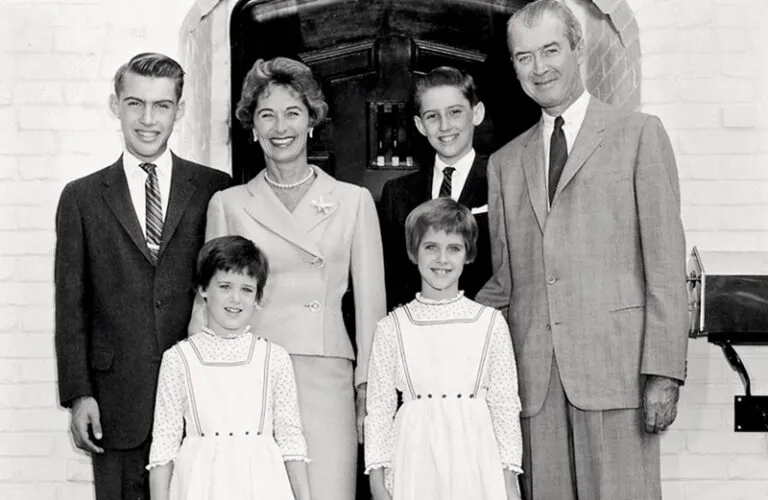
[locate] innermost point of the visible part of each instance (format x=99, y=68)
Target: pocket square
x=480, y=210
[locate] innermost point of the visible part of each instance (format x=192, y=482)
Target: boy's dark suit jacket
x=115, y=312
x=400, y=196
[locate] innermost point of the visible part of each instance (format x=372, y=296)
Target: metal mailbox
x=728, y=303
x=728, y=295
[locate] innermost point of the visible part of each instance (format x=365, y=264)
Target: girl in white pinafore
x=232, y=394
x=457, y=434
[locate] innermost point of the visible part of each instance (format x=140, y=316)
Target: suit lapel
x=475, y=190
x=588, y=139
x=118, y=198
x=533, y=166
x=182, y=188
x=267, y=209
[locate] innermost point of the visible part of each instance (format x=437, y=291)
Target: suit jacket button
x=158, y=304
x=314, y=306
x=551, y=279
x=548, y=327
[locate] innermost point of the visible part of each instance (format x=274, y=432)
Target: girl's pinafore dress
x=443, y=444
x=229, y=451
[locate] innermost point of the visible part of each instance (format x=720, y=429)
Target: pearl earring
x=255, y=136
x=310, y=132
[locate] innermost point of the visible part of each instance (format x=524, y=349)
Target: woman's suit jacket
x=331, y=235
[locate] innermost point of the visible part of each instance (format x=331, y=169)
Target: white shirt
x=136, y=177
x=573, y=118
x=459, y=177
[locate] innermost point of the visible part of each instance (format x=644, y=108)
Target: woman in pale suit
x=317, y=232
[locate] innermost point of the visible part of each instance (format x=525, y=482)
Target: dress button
x=429, y=396
x=230, y=434
x=551, y=279
x=458, y=396
x=247, y=432
x=319, y=263
x=471, y=396
x=445, y=395
x=314, y=306
x=217, y=433
x=418, y=396
x=202, y=434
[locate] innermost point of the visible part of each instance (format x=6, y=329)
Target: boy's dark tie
x=558, y=155
x=154, y=213
x=445, y=187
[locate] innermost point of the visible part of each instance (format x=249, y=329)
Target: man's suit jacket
x=332, y=235
x=401, y=195
x=115, y=312
x=600, y=279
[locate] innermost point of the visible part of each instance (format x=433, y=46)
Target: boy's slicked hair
x=153, y=65
x=440, y=214
x=235, y=254
x=445, y=76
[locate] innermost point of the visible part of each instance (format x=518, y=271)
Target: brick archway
x=612, y=72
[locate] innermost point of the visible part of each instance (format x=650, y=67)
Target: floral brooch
x=322, y=206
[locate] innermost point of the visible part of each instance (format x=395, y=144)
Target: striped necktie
x=154, y=228
x=445, y=186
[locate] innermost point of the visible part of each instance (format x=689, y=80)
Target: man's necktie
x=558, y=155
x=445, y=187
x=154, y=213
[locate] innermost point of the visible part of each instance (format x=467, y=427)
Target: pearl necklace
x=291, y=185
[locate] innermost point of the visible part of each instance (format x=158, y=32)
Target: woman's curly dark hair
x=287, y=73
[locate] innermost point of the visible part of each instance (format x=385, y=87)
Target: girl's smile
x=441, y=259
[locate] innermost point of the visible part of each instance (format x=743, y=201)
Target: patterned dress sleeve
x=286, y=419
x=381, y=402
x=503, y=398
x=170, y=402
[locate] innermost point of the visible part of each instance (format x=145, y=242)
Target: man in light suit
x=588, y=258
x=127, y=240
x=448, y=110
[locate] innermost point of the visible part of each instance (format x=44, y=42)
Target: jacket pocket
x=627, y=308
x=102, y=360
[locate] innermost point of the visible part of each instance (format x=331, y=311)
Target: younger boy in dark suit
x=447, y=111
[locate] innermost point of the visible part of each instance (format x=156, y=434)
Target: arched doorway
x=366, y=55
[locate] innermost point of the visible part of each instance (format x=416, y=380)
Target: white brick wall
x=56, y=62
x=705, y=73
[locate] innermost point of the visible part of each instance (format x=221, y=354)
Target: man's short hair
x=445, y=76
x=440, y=214
x=235, y=254
x=531, y=14
x=153, y=65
